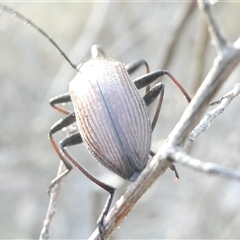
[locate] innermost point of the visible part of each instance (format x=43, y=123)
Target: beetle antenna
x=32, y=24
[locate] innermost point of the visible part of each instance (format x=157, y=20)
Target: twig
x=227, y=59
x=177, y=29
x=218, y=40
x=44, y=235
x=200, y=51
x=208, y=118
x=181, y=157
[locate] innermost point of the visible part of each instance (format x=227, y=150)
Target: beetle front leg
x=147, y=79
x=63, y=144
x=63, y=98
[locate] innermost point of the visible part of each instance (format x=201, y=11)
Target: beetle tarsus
x=100, y=221
x=173, y=168
x=57, y=180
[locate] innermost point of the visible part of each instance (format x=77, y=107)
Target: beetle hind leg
x=172, y=166
x=100, y=222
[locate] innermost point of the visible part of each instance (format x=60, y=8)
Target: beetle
x=112, y=117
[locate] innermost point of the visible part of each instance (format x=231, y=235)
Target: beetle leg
x=172, y=166
x=64, y=143
x=150, y=96
x=147, y=79
x=69, y=119
x=63, y=98
x=133, y=66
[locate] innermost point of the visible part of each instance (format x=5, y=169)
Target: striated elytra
x=111, y=116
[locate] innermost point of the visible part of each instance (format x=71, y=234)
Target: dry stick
x=227, y=59
x=52, y=205
x=176, y=154
x=177, y=29
x=199, y=59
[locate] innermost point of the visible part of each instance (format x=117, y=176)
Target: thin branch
x=176, y=154
x=209, y=117
x=44, y=235
x=199, y=57
x=218, y=40
x=177, y=29
x=222, y=67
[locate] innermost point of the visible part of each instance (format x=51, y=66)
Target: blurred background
x=32, y=71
